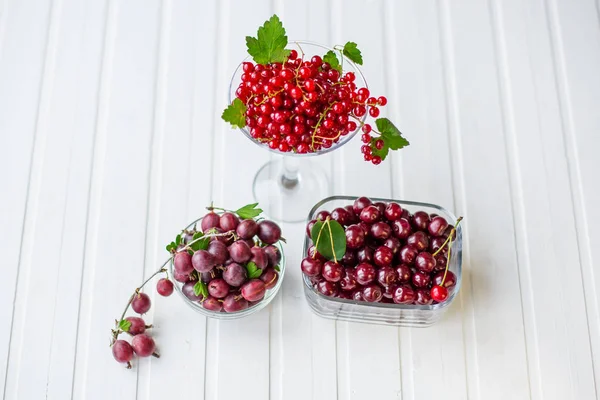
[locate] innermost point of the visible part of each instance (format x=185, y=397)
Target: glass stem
x=289, y=177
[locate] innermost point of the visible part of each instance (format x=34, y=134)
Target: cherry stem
x=452, y=232
x=447, y=266
x=162, y=269
x=317, y=241
x=331, y=239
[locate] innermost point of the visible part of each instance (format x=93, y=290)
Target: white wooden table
x=111, y=140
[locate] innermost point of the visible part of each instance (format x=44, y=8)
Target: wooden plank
x=423, y=172
x=23, y=41
x=115, y=242
x=496, y=358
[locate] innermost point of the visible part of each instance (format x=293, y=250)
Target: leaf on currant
x=249, y=211
x=331, y=58
x=269, y=44
x=235, y=114
x=124, y=325
x=201, y=244
x=391, y=136
x=353, y=53
x=329, y=238
x=253, y=270
x=200, y=289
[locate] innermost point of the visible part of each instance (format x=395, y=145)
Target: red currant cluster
x=306, y=106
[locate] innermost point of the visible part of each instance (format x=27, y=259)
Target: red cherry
x=439, y=293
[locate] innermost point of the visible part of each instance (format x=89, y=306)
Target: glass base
x=287, y=192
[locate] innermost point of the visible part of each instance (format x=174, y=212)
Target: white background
x=111, y=141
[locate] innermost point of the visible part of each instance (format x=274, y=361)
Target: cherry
x=420, y=220
x=387, y=276
x=449, y=282
x=365, y=273
x=419, y=240
x=370, y=214
x=408, y=254
x=357, y=295
x=423, y=297
x=360, y=204
x=313, y=253
x=383, y=256
x=309, y=227
x=352, y=218
x=404, y=273
x=393, y=244
x=425, y=262
x=364, y=255
x=323, y=215
x=341, y=216
x=437, y=226
x=439, y=293
x=349, y=259
x=436, y=243
x=420, y=279
x=401, y=228
x=327, y=288
x=404, y=294
x=393, y=211
x=348, y=281
x=380, y=230
x=311, y=266
x=440, y=262
x=355, y=237
x=372, y=293
x=332, y=271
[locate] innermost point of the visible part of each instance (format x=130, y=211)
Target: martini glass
x=287, y=187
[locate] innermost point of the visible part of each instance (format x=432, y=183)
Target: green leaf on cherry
x=200, y=289
x=329, y=238
x=269, y=44
x=235, y=113
x=391, y=136
x=253, y=270
x=200, y=244
x=353, y=53
x=331, y=58
x=249, y=211
x=124, y=325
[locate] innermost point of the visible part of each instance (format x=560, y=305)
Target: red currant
x=382, y=101
x=350, y=76
x=274, y=144
x=284, y=147
x=364, y=92
x=310, y=85
x=360, y=110
x=376, y=160
x=312, y=96
x=304, y=72
x=374, y=112
x=338, y=108
x=286, y=74
x=368, y=157
x=366, y=128
x=296, y=93
x=293, y=55
x=372, y=101
x=365, y=149
x=316, y=61
x=351, y=126
x=366, y=138
x=379, y=144
x=302, y=148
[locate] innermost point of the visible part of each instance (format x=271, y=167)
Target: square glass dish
x=383, y=313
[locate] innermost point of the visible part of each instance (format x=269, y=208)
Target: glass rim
x=388, y=306
x=346, y=138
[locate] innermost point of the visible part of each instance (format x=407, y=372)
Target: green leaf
x=276, y=268
x=269, y=45
x=235, y=113
x=329, y=238
x=124, y=325
x=249, y=211
x=200, y=244
x=353, y=53
x=391, y=136
x=331, y=58
x=171, y=247
x=253, y=270
x=178, y=240
x=200, y=288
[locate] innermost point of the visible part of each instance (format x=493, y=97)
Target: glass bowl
x=383, y=313
x=269, y=295
x=285, y=188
